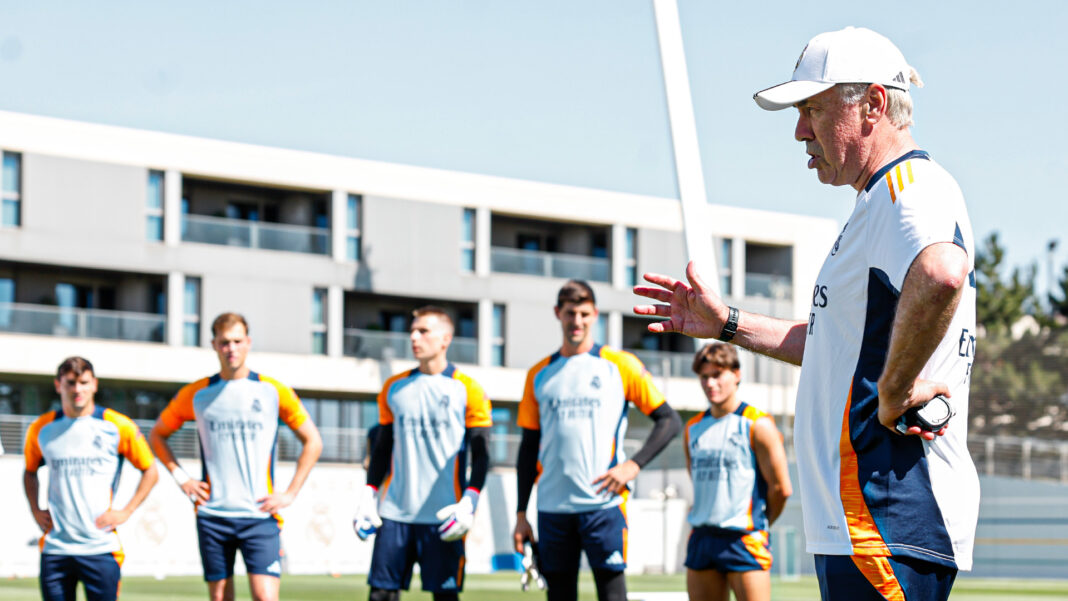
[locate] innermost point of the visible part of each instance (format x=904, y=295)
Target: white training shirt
x=864, y=489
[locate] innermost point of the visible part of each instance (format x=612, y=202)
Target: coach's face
x=577, y=320
x=430, y=337
x=833, y=134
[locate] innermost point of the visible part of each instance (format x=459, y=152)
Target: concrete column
x=172, y=208
x=485, y=331
x=738, y=267
x=339, y=206
x=335, y=321
x=175, y=305
x=619, y=256
x=483, y=228
x=615, y=329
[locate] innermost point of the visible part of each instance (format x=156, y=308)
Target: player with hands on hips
x=237, y=413
x=888, y=332
x=574, y=419
x=430, y=418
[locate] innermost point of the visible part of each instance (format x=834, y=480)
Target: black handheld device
x=932, y=416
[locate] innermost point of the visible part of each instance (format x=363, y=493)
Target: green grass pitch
x=505, y=587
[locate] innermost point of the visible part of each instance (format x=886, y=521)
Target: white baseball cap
x=850, y=55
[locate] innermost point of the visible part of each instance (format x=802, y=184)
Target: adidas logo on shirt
x=615, y=559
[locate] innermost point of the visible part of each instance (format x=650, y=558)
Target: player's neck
x=725, y=408
x=234, y=374
x=434, y=365
x=567, y=349
x=73, y=412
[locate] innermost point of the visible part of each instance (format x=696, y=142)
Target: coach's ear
x=873, y=109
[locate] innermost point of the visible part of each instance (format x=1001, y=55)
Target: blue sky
x=564, y=92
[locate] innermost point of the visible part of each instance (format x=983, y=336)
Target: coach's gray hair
x=898, y=102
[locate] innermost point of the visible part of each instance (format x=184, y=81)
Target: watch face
x=936, y=411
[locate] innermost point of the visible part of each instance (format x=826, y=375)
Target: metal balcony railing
x=373, y=344
x=768, y=286
x=255, y=234
x=665, y=363
x=82, y=323
x=550, y=265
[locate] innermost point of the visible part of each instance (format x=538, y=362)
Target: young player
x=735, y=456
x=237, y=413
x=428, y=418
x=574, y=418
x=84, y=446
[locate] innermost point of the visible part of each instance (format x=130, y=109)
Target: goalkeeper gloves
x=458, y=516
x=531, y=576
x=366, y=521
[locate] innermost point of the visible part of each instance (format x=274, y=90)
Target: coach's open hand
x=693, y=310
x=614, y=481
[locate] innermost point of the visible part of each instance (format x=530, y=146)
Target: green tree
x=1059, y=306
x=999, y=304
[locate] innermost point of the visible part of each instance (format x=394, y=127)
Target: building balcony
x=550, y=264
x=666, y=363
x=374, y=344
x=762, y=285
x=22, y=318
x=255, y=234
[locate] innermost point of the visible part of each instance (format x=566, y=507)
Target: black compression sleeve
x=381, y=456
x=478, y=438
x=667, y=425
x=526, y=467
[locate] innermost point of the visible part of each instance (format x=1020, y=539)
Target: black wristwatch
x=731, y=327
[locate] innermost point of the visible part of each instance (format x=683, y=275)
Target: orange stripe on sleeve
x=638, y=387
x=890, y=184
x=529, y=415
x=290, y=410
x=879, y=572
x=180, y=409
x=385, y=414
x=132, y=444
x=32, y=447
x=479, y=410
x=863, y=532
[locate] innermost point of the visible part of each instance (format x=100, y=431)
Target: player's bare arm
x=196, y=490
x=32, y=486
x=929, y=297
x=771, y=457
x=312, y=447
x=115, y=517
x=694, y=310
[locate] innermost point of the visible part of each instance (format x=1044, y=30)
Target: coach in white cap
x=889, y=492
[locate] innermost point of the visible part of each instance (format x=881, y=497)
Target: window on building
x=600, y=331
x=631, y=263
x=11, y=186
x=353, y=252
x=318, y=321
x=154, y=207
x=191, y=312
x=497, y=356
x=7, y=298
x=467, y=242
x=725, y=266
